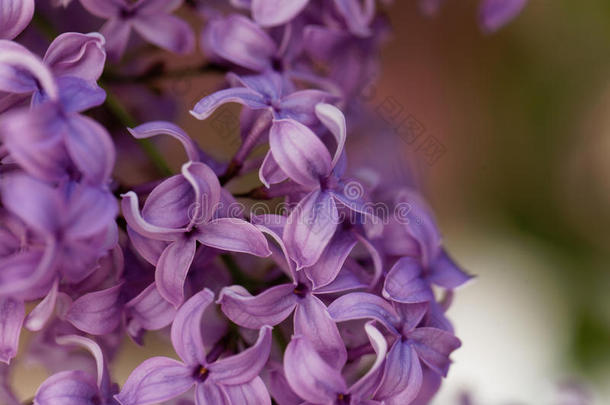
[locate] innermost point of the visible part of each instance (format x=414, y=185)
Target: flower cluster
x=323, y=304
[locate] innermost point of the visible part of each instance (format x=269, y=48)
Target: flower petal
x=310, y=228
x=309, y=376
x=172, y=268
x=103, y=9
x=12, y=314
x=166, y=31
x=41, y=313
x=446, y=273
x=251, y=393
x=97, y=313
x=154, y=128
x=270, y=172
x=434, y=347
x=209, y=392
x=90, y=210
x=15, y=16
x=402, y=375
x=103, y=379
x=241, y=95
x=270, y=13
x=207, y=191
x=364, y=306
x=155, y=380
x=404, y=283
x=312, y=320
x=116, y=31
x=331, y=261
x=149, y=311
x=494, y=14
x=368, y=383
x=76, y=54
x=334, y=120
x=357, y=15
x=17, y=64
x=234, y=235
x=67, y=388
x=270, y=307
x=186, y=329
x=245, y=366
x=132, y=215
x=299, y=152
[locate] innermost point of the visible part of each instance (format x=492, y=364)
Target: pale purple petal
x=166, y=31
x=149, y=311
x=103, y=378
x=75, y=94
x=132, y=215
x=15, y=15
x=310, y=228
x=313, y=321
x=331, y=261
x=186, y=329
x=155, y=380
x=402, y=373
x=206, y=189
x=364, y=306
x=97, y=313
x=149, y=249
x=309, y=376
x=234, y=235
x=494, y=14
x=368, y=383
x=75, y=54
x=245, y=366
x=334, y=120
x=241, y=95
x=12, y=314
x=210, y=393
x=299, y=152
x=16, y=61
x=41, y=313
x=116, y=32
x=270, y=172
x=170, y=204
x=172, y=268
x=357, y=15
x=434, y=347
x=446, y=273
x=404, y=283
x=270, y=307
x=155, y=128
x=90, y=211
x=241, y=41
x=68, y=388
x=251, y=393
x=301, y=105
x=269, y=13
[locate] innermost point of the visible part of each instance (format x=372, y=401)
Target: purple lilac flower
x=233, y=379
x=150, y=18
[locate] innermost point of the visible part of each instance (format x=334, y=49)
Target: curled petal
x=299, y=152
x=404, y=283
x=67, y=388
x=15, y=16
x=369, y=382
x=154, y=128
x=494, y=14
x=334, y=120
x=312, y=321
x=301, y=105
x=241, y=41
x=207, y=191
x=309, y=376
x=310, y=227
x=166, y=31
x=132, y=215
x=270, y=172
x=270, y=13
x=41, y=313
x=15, y=60
x=402, y=375
x=251, y=393
x=364, y=306
x=186, y=329
x=90, y=210
x=97, y=313
x=75, y=54
x=234, y=235
x=155, y=380
x=245, y=366
x=12, y=314
x=241, y=95
x=172, y=268
x=270, y=307
x=331, y=261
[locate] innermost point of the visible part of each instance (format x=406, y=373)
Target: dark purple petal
x=309, y=376
x=97, y=313
x=245, y=366
x=240, y=41
x=364, y=306
x=234, y=235
x=75, y=54
x=172, y=268
x=155, y=128
x=170, y=204
x=269, y=13
x=312, y=320
x=166, y=31
x=402, y=375
x=434, y=347
x=404, y=283
x=299, y=152
x=12, y=314
x=155, y=380
x=15, y=16
x=270, y=307
x=251, y=393
x=103, y=378
x=186, y=329
x=494, y=14
x=68, y=388
x=158, y=6
x=310, y=227
x=331, y=261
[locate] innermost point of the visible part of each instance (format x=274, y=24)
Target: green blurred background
x=523, y=189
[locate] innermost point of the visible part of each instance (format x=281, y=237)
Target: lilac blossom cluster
x=323, y=303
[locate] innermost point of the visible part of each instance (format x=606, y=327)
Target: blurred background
x=521, y=188
x=512, y=150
